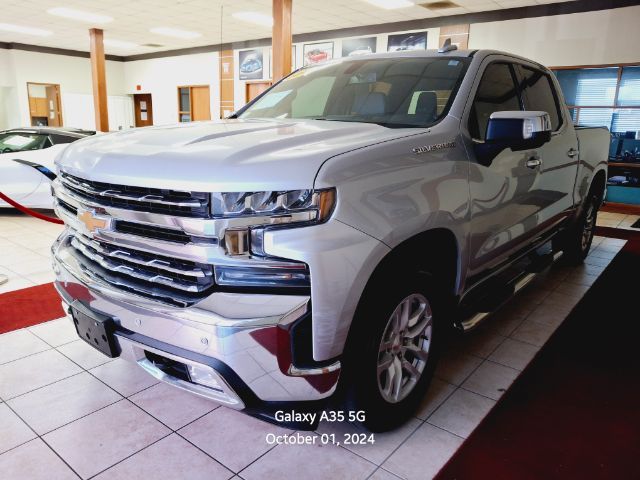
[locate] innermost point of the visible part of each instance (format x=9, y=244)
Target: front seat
x=373, y=104
x=427, y=107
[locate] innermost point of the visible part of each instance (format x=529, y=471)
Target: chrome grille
x=168, y=279
x=153, y=200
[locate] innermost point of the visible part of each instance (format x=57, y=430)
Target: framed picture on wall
x=317, y=52
x=407, y=41
x=251, y=64
x=358, y=46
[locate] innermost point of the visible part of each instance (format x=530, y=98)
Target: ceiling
x=132, y=19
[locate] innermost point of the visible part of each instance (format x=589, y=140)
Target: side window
x=539, y=94
x=497, y=92
x=57, y=139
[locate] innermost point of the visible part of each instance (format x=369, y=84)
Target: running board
x=512, y=288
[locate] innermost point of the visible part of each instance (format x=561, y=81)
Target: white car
x=26, y=162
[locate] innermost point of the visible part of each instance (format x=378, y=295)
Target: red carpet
x=29, y=306
x=574, y=413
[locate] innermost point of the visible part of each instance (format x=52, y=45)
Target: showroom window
x=607, y=96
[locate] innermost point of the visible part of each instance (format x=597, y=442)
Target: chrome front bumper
x=242, y=338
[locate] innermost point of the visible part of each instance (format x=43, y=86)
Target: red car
x=316, y=55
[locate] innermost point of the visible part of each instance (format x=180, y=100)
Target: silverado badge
x=433, y=148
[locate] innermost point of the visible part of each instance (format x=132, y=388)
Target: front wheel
x=393, y=354
x=578, y=241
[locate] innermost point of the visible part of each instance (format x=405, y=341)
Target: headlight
x=249, y=215
x=275, y=203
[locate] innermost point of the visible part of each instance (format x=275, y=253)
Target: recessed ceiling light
x=391, y=4
x=175, y=32
x=80, y=15
x=255, y=17
x=9, y=27
x=439, y=5
x=110, y=42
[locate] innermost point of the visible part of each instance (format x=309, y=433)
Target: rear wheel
x=578, y=241
x=392, y=353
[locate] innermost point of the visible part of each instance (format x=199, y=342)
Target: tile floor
x=66, y=411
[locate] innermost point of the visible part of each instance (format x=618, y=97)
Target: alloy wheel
x=404, y=349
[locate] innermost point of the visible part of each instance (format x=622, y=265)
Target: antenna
x=447, y=46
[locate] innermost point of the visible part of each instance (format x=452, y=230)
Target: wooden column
x=281, y=39
x=227, y=98
x=98, y=74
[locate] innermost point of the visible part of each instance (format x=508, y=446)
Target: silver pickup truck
x=321, y=242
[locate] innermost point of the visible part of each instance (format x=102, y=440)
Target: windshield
x=19, y=142
x=394, y=92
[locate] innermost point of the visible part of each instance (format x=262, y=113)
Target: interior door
x=53, y=105
x=503, y=193
x=559, y=158
x=200, y=103
x=143, y=109
x=253, y=89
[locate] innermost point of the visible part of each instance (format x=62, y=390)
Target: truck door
x=504, y=193
x=559, y=157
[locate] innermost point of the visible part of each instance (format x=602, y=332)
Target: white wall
x=9, y=110
x=590, y=38
x=161, y=77
x=73, y=74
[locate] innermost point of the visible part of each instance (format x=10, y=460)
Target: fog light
x=203, y=376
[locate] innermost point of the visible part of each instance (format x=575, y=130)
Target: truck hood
x=228, y=155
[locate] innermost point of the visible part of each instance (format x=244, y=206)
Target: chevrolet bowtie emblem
x=91, y=222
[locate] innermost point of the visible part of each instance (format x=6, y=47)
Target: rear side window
x=57, y=139
x=538, y=93
x=497, y=92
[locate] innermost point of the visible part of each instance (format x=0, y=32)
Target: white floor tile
x=385, y=443
x=63, y=402
x=160, y=401
x=35, y=371
x=491, y=380
x=243, y=438
x=100, y=440
x=455, y=367
x=514, y=354
x=423, y=455
x=14, y=431
x=56, y=332
x=83, y=354
x=34, y=461
x=311, y=462
x=462, y=412
x=18, y=344
x=438, y=392
x=125, y=377
x=171, y=458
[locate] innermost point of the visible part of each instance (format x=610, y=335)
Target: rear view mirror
x=516, y=130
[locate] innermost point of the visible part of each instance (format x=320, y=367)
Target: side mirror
x=516, y=130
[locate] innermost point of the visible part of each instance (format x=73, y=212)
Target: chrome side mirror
x=516, y=126
x=516, y=130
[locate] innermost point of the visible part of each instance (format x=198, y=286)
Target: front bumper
x=249, y=353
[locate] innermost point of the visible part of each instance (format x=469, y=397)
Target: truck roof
x=434, y=54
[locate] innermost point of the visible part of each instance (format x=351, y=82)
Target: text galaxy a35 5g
x=323, y=239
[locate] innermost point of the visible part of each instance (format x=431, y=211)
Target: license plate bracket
x=96, y=329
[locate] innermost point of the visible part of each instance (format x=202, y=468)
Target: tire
x=578, y=241
x=385, y=342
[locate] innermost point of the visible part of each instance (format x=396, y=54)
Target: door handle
x=534, y=162
x=572, y=152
